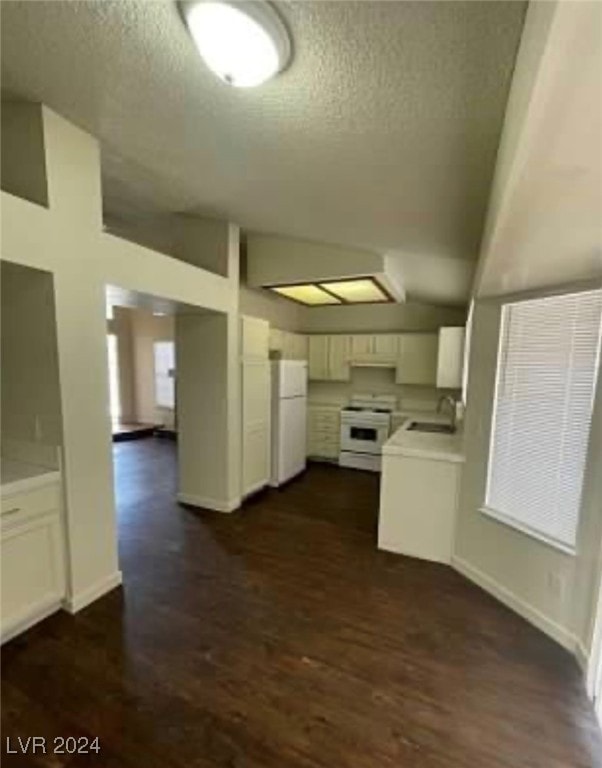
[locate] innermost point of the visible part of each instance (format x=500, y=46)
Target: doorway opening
x=141, y=368
x=141, y=362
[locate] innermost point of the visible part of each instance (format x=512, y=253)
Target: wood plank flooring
x=279, y=637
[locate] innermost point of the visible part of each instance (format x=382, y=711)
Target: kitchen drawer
x=21, y=507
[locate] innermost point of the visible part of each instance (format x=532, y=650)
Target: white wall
x=410, y=316
x=543, y=221
x=197, y=241
x=543, y=229
x=31, y=402
x=379, y=381
x=280, y=313
x=67, y=240
x=516, y=567
x=137, y=330
x=23, y=166
x=120, y=326
x=146, y=329
x=275, y=260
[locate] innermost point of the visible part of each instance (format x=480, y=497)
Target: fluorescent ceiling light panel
x=243, y=43
x=306, y=294
x=361, y=291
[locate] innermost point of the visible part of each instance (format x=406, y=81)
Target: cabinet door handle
x=12, y=511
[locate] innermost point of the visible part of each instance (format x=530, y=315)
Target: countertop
x=425, y=445
x=18, y=476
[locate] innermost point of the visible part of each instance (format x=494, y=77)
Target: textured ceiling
x=382, y=133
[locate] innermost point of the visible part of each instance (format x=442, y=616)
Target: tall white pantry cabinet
x=255, y=400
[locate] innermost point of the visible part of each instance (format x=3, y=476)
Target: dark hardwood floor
x=279, y=637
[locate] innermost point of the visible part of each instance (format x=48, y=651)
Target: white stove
x=365, y=426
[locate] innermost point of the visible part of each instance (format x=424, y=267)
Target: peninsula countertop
x=427, y=445
x=18, y=476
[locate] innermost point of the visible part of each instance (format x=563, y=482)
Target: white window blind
x=546, y=377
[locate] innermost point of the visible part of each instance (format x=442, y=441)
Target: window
x=164, y=374
x=547, y=362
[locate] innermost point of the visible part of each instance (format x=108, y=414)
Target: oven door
x=363, y=438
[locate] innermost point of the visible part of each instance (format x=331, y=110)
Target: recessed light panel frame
x=367, y=290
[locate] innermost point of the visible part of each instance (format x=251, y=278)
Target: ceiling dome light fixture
x=244, y=43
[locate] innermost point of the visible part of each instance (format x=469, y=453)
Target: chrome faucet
x=450, y=400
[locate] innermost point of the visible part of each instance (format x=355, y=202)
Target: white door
x=292, y=438
x=255, y=425
x=292, y=378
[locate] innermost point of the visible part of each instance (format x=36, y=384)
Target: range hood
x=318, y=274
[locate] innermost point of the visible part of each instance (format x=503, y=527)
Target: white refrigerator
x=289, y=419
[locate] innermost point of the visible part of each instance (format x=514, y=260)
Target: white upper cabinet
x=417, y=361
x=318, y=358
x=291, y=346
x=380, y=348
x=361, y=346
x=339, y=353
x=329, y=357
x=385, y=345
x=450, y=360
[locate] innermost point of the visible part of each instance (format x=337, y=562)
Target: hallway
x=279, y=637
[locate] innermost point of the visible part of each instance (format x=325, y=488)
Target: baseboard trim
x=39, y=613
x=532, y=615
x=582, y=656
x=78, y=602
x=255, y=489
x=216, y=505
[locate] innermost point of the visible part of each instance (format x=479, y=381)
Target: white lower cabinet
x=323, y=432
x=418, y=503
x=32, y=558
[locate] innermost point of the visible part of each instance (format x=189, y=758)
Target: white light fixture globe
x=244, y=43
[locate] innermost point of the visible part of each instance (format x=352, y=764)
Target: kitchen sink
x=429, y=426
